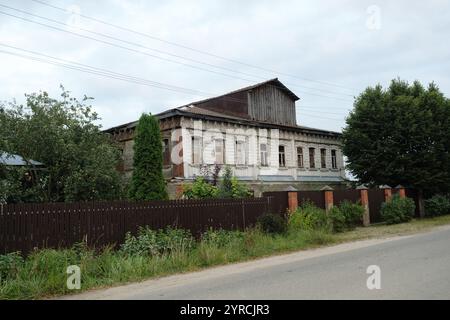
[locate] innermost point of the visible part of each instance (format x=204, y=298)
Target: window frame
x=300, y=158
x=199, y=151
x=312, y=156
x=334, y=159
x=243, y=156
x=263, y=155
x=222, y=142
x=323, y=158
x=166, y=152
x=282, y=156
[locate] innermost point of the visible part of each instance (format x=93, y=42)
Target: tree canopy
x=148, y=182
x=400, y=135
x=80, y=161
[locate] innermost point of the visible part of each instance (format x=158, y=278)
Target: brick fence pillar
x=292, y=201
x=401, y=191
x=328, y=194
x=364, y=195
x=387, y=193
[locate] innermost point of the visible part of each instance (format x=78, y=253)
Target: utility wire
x=153, y=56
x=193, y=49
x=167, y=53
x=113, y=75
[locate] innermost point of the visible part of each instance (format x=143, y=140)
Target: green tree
x=148, y=181
x=226, y=184
x=400, y=136
x=80, y=161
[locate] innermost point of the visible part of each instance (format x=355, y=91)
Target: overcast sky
x=324, y=51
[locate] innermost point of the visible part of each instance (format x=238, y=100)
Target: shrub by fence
x=376, y=197
x=27, y=226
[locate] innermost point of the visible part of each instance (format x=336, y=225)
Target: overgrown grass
x=43, y=273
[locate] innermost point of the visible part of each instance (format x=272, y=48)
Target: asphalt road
x=412, y=267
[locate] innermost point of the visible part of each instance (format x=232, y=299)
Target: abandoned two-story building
x=254, y=131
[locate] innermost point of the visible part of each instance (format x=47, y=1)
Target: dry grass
x=385, y=231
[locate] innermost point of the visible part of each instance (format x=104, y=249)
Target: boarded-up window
x=263, y=154
x=196, y=150
x=299, y=157
x=240, y=153
x=312, y=157
x=219, y=151
x=166, y=152
x=281, y=156
x=333, y=159
x=323, y=158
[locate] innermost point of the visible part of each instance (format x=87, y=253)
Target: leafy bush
x=437, y=205
x=229, y=187
x=308, y=217
x=200, y=189
x=346, y=216
x=352, y=212
x=398, y=210
x=272, y=223
x=337, y=219
x=150, y=242
x=239, y=190
x=9, y=265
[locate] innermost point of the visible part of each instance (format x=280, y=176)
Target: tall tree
x=400, y=136
x=148, y=181
x=80, y=161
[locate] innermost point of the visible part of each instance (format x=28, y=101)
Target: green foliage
x=80, y=161
x=337, y=219
x=340, y=218
x=226, y=184
x=272, y=223
x=42, y=273
x=200, y=189
x=228, y=187
x=398, y=210
x=437, y=205
x=400, y=135
x=150, y=242
x=10, y=265
x=222, y=238
x=308, y=217
x=148, y=181
x=239, y=190
x=353, y=213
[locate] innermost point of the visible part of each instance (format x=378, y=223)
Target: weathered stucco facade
x=253, y=131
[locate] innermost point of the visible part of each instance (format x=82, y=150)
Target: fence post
x=387, y=193
x=328, y=194
x=364, y=194
x=401, y=191
x=243, y=213
x=292, y=201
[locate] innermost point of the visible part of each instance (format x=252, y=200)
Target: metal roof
x=16, y=160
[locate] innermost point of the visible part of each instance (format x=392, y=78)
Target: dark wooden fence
x=52, y=225
x=376, y=199
x=278, y=201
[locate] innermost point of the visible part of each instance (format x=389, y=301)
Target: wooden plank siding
x=270, y=104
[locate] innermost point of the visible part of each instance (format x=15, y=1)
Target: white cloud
x=323, y=40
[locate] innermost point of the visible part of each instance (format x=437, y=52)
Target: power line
x=193, y=49
x=165, y=52
x=145, y=53
x=148, y=54
x=113, y=75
